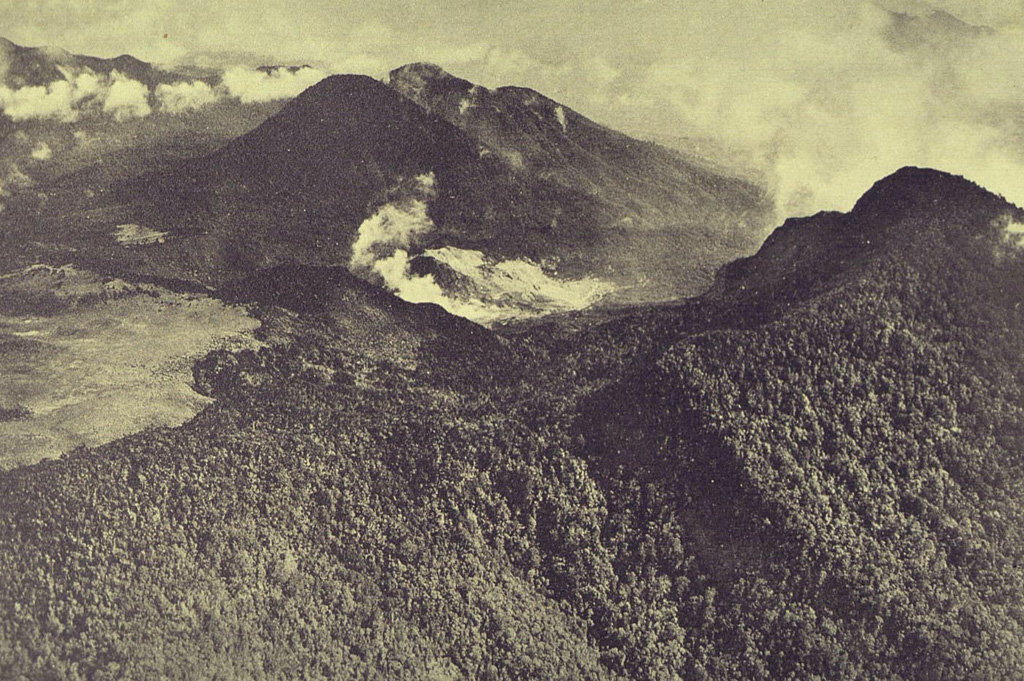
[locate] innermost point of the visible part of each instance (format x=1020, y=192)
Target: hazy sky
x=825, y=95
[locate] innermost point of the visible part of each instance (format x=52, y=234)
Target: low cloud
x=83, y=92
x=265, y=85
x=827, y=107
x=182, y=97
x=126, y=98
x=53, y=101
x=87, y=94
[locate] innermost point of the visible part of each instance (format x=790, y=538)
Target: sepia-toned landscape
x=547, y=340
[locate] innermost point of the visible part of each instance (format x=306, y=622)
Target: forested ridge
x=811, y=472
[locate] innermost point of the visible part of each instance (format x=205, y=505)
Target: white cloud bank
x=116, y=95
x=126, y=98
x=182, y=97
x=255, y=85
x=86, y=93
x=827, y=103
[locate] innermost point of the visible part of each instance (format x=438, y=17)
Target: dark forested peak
x=339, y=87
x=916, y=218
x=128, y=62
x=341, y=99
x=356, y=110
x=349, y=101
x=346, y=140
x=912, y=189
x=921, y=185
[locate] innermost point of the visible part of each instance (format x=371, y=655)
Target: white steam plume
x=492, y=291
x=394, y=226
x=253, y=85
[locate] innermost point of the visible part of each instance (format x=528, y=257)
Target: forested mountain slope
x=520, y=184
x=812, y=472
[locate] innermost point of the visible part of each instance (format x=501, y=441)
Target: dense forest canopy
x=811, y=472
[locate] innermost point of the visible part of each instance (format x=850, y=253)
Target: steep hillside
x=828, y=489
x=840, y=448
x=512, y=184
x=42, y=66
x=646, y=186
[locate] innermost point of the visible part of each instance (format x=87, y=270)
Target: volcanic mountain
x=915, y=222
x=73, y=126
x=517, y=176
x=639, y=182
x=812, y=470
x=839, y=405
x=41, y=66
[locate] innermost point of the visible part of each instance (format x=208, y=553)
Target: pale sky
x=825, y=95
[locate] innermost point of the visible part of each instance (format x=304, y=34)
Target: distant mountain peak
x=339, y=83
x=422, y=71
x=129, y=60
x=270, y=69
x=41, y=66
x=914, y=218
x=922, y=189
x=422, y=82
x=517, y=175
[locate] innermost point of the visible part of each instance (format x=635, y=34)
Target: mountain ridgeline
x=74, y=127
x=514, y=176
x=43, y=66
x=812, y=471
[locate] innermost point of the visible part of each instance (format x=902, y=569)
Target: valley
x=87, y=360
